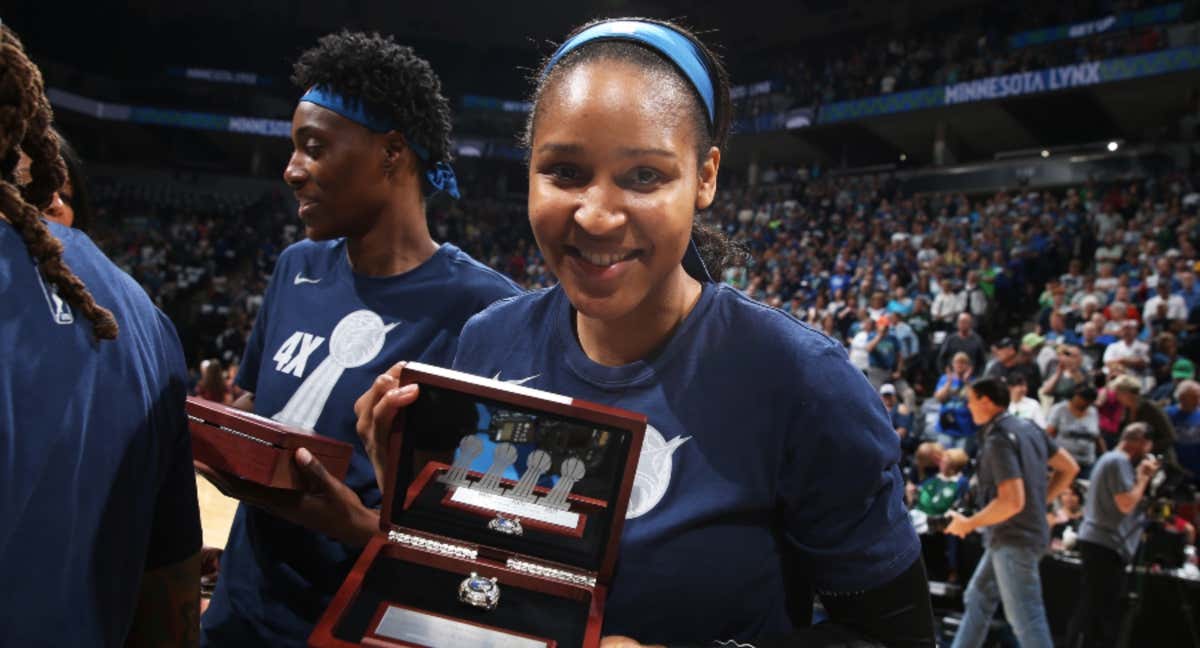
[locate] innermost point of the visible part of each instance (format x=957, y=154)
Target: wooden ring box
x=258, y=449
x=553, y=581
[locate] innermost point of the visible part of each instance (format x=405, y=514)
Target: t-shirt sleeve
x=1110, y=353
x=840, y=488
x=175, y=532
x=1122, y=477
x=1055, y=418
x=1001, y=457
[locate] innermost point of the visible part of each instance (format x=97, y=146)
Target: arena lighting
x=1045, y=153
x=903, y=157
x=1113, y=146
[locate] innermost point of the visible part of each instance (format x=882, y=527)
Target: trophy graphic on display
x=536, y=465
x=572, y=471
x=468, y=449
x=505, y=456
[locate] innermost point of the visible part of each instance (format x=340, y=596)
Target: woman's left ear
x=706, y=189
x=393, y=152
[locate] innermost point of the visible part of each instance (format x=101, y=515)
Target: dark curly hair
x=388, y=78
x=25, y=117
x=717, y=250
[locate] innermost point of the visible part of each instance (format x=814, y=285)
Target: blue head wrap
x=441, y=176
x=677, y=49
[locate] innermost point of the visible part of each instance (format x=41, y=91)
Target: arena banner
x=1130, y=19
x=1024, y=83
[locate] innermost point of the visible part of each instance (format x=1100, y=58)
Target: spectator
x=948, y=304
x=1004, y=358
x=1067, y=375
x=925, y=463
x=955, y=429
x=1164, y=305
x=1067, y=514
x=1020, y=404
x=1111, y=411
x=964, y=340
x=886, y=362
x=862, y=344
x=1140, y=410
x=938, y=493
x=1164, y=393
x=1128, y=355
x=899, y=413
x=1092, y=347
x=1185, y=418
x=1075, y=424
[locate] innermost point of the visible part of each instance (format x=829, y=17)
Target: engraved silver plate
x=423, y=629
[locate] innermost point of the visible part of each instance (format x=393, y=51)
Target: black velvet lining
x=433, y=427
x=427, y=588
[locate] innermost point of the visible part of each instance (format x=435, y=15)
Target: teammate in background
x=101, y=533
x=69, y=205
x=371, y=138
x=764, y=438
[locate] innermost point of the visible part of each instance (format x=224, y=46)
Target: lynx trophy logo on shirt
x=653, y=472
x=356, y=340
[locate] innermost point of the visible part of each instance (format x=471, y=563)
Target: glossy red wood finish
x=268, y=463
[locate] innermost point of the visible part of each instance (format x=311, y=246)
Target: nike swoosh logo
x=300, y=279
x=515, y=382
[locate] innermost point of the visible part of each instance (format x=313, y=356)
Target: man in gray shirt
x=1109, y=535
x=1013, y=481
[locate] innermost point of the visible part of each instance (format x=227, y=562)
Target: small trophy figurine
x=535, y=466
x=468, y=449
x=572, y=471
x=505, y=456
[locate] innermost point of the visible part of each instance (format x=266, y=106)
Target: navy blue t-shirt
x=322, y=336
x=96, y=481
x=753, y=418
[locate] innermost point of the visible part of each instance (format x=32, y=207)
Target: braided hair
x=25, y=126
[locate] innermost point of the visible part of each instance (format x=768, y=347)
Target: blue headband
x=441, y=177
x=679, y=49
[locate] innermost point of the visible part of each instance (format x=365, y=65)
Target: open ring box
x=258, y=449
x=500, y=481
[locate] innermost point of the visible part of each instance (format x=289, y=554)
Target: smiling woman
x=763, y=440
x=370, y=139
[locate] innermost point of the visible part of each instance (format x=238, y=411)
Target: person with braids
x=69, y=205
x=769, y=466
x=100, y=539
x=369, y=286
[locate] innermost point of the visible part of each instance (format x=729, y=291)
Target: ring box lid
x=453, y=405
x=240, y=423
x=264, y=429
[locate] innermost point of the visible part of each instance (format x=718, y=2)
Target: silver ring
x=478, y=591
x=506, y=525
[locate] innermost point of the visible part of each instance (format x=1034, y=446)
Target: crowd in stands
x=951, y=48
x=1062, y=292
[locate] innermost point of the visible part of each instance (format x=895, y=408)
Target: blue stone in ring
x=480, y=584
